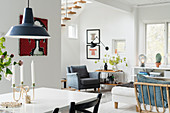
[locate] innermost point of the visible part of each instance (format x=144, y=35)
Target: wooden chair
x=147, y=85
x=81, y=107
x=56, y=110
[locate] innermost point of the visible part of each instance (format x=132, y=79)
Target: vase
x=115, y=68
x=105, y=66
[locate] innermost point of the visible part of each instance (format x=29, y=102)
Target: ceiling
x=143, y=2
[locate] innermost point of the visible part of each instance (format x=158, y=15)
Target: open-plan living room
x=85, y=56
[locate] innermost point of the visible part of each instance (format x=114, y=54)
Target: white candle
x=13, y=75
x=32, y=72
x=21, y=74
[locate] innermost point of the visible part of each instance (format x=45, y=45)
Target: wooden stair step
x=67, y=8
x=63, y=25
x=66, y=18
x=77, y=7
x=71, y=12
x=81, y=1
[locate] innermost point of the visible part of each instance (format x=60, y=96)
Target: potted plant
x=6, y=61
x=158, y=59
x=115, y=60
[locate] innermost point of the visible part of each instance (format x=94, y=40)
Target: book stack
x=156, y=74
x=143, y=73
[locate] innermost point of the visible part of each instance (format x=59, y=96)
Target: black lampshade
x=27, y=29
x=93, y=45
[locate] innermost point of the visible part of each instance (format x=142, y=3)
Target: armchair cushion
x=89, y=81
x=80, y=70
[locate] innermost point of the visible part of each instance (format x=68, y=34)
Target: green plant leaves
x=8, y=71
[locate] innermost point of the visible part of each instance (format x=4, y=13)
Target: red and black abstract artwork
x=34, y=47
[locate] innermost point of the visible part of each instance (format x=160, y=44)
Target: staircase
x=69, y=8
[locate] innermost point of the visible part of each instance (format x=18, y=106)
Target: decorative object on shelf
x=105, y=61
x=93, y=53
x=142, y=59
x=105, y=66
x=94, y=44
x=34, y=47
x=115, y=60
x=158, y=59
x=111, y=79
x=28, y=29
x=92, y=34
x=10, y=105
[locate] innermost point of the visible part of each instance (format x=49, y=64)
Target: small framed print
x=93, y=35
x=93, y=53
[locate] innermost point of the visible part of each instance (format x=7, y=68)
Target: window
x=155, y=41
x=120, y=45
x=72, y=31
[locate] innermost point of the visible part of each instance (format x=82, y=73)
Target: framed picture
x=93, y=53
x=34, y=47
x=91, y=36
x=119, y=46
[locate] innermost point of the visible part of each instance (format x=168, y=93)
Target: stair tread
x=67, y=8
x=71, y=12
x=62, y=25
x=76, y=6
x=66, y=18
x=81, y=1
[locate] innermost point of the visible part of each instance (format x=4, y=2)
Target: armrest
x=94, y=75
x=73, y=79
x=71, y=74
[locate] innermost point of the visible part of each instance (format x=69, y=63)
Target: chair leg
x=99, y=90
x=116, y=105
x=94, y=89
x=137, y=109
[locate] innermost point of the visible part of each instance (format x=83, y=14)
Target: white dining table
x=47, y=99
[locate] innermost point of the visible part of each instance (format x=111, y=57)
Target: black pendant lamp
x=27, y=29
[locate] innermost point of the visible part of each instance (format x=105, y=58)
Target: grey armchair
x=79, y=78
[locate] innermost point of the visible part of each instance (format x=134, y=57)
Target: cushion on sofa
x=89, y=81
x=81, y=70
x=141, y=78
x=123, y=91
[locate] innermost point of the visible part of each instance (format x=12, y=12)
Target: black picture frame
x=97, y=56
x=89, y=32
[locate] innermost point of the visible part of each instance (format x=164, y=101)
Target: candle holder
x=21, y=90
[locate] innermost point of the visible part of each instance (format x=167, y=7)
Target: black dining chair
x=56, y=110
x=83, y=106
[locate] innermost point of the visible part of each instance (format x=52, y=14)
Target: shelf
x=161, y=68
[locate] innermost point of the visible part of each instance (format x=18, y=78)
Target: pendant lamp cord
x=28, y=3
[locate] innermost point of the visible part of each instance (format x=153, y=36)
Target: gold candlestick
x=21, y=89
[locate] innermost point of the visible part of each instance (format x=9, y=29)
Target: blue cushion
x=80, y=70
x=141, y=78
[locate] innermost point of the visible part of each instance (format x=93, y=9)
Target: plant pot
x=105, y=66
x=157, y=64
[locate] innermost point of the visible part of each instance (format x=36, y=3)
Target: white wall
x=151, y=14
x=113, y=24
x=70, y=48
x=48, y=69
